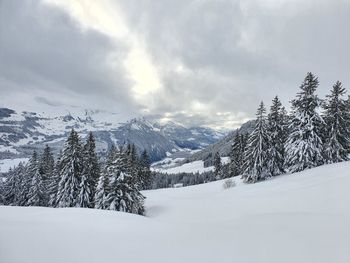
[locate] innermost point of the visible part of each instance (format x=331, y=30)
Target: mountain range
x=21, y=132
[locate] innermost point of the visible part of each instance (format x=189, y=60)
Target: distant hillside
x=222, y=146
x=23, y=132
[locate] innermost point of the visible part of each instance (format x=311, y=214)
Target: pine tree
x=91, y=167
x=304, y=146
x=217, y=166
x=47, y=166
x=277, y=135
x=53, y=182
x=236, y=154
x=11, y=188
x=123, y=194
x=337, y=125
x=84, y=198
x=101, y=193
x=256, y=156
x=70, y=172
x=36, y=193
x=144, y=172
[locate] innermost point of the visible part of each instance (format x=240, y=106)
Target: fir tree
x=236, y=154
x=53, y=182
x=256, y=157
x=304, y=146
x=101, y=193
x=217, y=166
x=84, y=198
x=47, y=166
x=11, y=188
x=277, y=135
x=70, y=172
x=144, y=172
x=36, y=193
x=337, y=125
x=91, y=167
x=123, y=194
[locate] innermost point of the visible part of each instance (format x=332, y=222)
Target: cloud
x=195, y=62
x=233, y=54
x=45, y=51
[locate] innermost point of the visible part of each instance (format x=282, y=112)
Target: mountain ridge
x=23, y=132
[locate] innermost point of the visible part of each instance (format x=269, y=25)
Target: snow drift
x=303, y=217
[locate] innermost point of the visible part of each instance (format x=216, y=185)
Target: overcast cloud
x=196, y=62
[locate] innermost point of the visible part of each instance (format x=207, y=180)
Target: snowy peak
x=23, y=132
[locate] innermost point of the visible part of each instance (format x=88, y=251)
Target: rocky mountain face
x=23, y=132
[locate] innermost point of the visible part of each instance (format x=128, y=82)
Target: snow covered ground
x=192, y=167
x=302, y=217
x=6, y=164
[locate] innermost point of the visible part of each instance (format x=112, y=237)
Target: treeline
x=78, y=179
x=314, y=133
x=164, y=180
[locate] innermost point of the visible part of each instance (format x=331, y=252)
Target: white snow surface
x=303, y=217
x=172, y=167
x=6, y=164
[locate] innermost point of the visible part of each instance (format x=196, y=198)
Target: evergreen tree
x=236, y=154
x=11, y=187
x=337, y=125
x=217, y=166
x=256, y=156
x=304, y=146
x=91, y=167
x=101, y=193
x=84, y=198
x=70, y=172
x=123, y=194
x=277, y=135
x=47, y=167
x=144, y=172
x=53, y=182
x=36, y=193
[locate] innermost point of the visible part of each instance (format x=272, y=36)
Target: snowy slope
x=301, y=218
x=191, y=167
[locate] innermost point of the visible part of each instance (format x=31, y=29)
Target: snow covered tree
x=337, y=127
x=123, y=194
x=217, y=166
x=277, y=134
x=84, y=198
x=256, y=155
x=11, y=188
x=53, y=182
x=101, y=193
x=144, y=171
x=70, y=172
x=36, y=193
x=304, y=146
x=47, y=167
x=91, y=167
x=236, y=155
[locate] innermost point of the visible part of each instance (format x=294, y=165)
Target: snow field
x=303, y=217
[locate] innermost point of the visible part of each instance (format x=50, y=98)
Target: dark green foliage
x=337, y=129
x=277, y=123
x=217, y=166
x=256, y=153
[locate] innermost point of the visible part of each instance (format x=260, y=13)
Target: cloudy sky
x=200, y=62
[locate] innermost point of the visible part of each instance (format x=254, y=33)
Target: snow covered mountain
x=23, y=132
x=302, y=217
x=223, y=145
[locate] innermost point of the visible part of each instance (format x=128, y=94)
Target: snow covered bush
x=229, y=183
